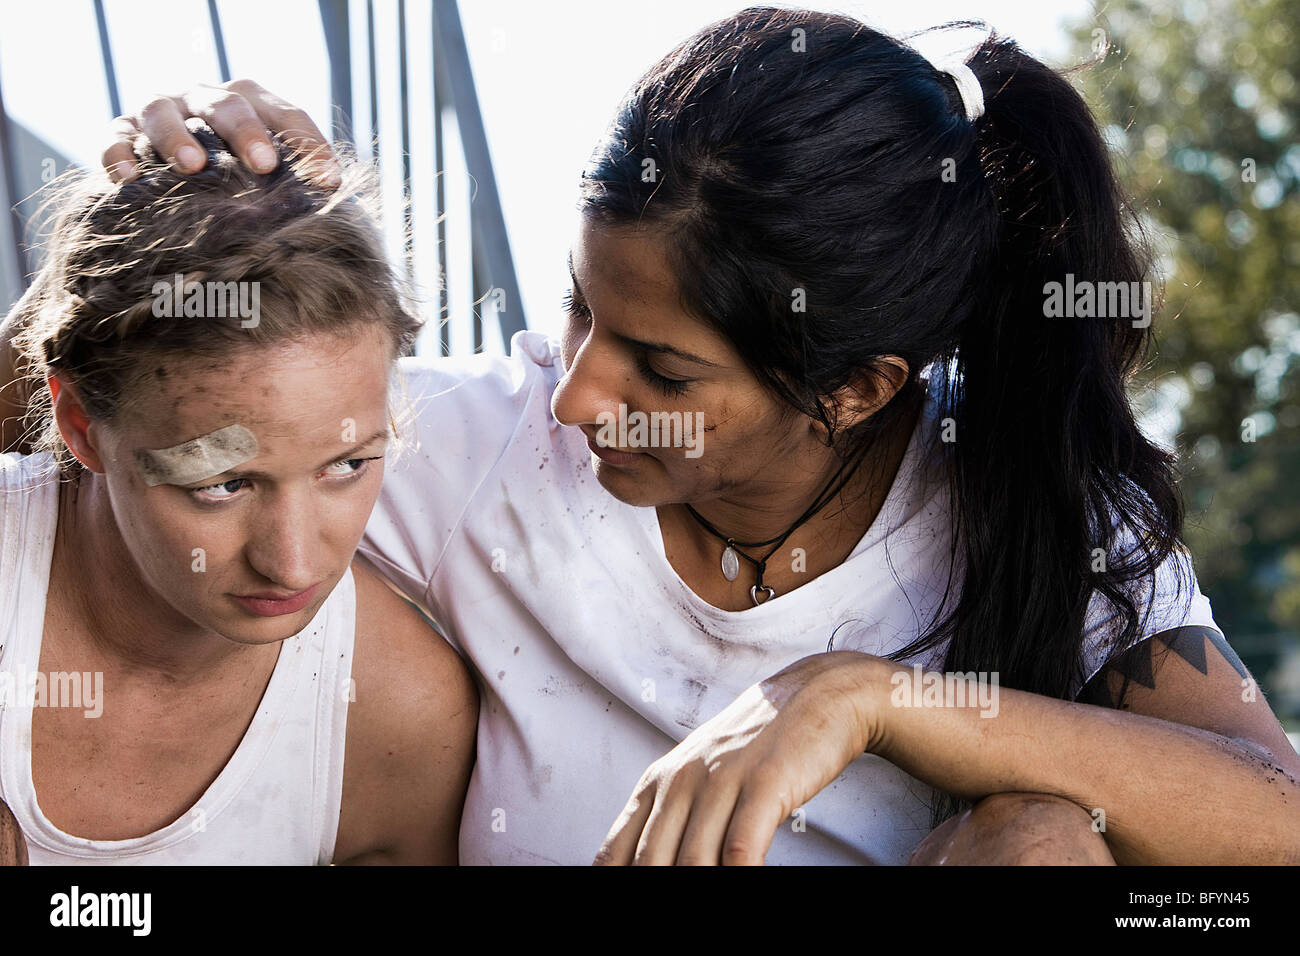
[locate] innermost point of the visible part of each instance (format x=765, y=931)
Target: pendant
x=730, y=564
x=755, y=590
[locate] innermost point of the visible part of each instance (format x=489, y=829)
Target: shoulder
x=458, y=414
x=1180, y=667
x=1167, y=599
x=479, y=388
x=399, y=649
x=456, y=420
x=410, y=735
x=27, y=472
x=29, y=506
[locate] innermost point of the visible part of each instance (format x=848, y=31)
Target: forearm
x=1171, y=794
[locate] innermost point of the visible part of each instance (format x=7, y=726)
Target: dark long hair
x=787, y=149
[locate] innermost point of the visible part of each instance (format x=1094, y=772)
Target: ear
x=871, y=390
x=74, y=424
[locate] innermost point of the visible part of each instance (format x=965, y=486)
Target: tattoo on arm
x=1137, y=664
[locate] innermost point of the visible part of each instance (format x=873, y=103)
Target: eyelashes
x=671, y=387
x=574, y=307
x=213, y=494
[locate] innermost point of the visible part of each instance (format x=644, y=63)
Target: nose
x=283, y=546
x=592, y=385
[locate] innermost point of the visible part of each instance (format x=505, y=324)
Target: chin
x=253, y=636
x=242, y=627
x=626, y=487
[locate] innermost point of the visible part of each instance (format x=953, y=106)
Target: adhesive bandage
x=203, y=457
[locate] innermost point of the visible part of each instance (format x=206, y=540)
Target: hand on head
x=240, y=112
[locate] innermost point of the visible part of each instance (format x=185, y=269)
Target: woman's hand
x=240, y=112
x=719, y=796
x=13, y=848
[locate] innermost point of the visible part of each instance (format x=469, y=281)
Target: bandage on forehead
x=204, y=457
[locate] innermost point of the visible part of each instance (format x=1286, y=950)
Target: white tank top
x=275, y=802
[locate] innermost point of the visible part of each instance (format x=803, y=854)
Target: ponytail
x=1050, y=470
x=1056, y=492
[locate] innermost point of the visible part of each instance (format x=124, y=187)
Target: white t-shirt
x=594, y=657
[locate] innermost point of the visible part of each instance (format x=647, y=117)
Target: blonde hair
x=92, y=316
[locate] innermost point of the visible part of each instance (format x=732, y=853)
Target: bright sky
x=549, y=76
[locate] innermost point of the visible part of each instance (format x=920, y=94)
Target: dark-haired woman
x=827, y=258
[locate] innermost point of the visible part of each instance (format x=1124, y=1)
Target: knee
x=1017, y=829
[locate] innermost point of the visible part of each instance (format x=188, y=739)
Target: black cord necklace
x=731, y=553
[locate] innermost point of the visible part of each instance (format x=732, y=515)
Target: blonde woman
x=184, y=539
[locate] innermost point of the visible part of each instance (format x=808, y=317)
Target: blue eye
x=355, y=465
x=219, y=492
x=342, y=470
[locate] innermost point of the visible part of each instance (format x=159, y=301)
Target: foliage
x=1201, y=103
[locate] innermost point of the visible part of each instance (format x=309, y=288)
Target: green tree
x=1201, y=102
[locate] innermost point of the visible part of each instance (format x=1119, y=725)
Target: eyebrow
x=659, y=348
x=236, y=473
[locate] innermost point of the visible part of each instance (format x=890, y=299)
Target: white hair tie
x=972, y=95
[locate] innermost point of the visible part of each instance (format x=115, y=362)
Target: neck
x=124, y=620
x=766, y=509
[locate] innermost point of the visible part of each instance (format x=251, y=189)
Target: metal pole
x=106, y=53
x=338, y=45
x=219, y=41
x=479, y=283
x=373, y=79
x=11, y=195
x=488, y=228
x=406, y=138
x=440, y=201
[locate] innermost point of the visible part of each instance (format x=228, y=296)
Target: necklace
x=731, y=554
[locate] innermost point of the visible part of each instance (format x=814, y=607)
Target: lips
x=273, y=604
x=613, y=455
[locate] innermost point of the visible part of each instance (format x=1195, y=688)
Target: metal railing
x=492, y=273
